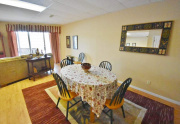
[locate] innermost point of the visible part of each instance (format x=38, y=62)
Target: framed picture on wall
x=75, y=42
x=68, y=42
x=133, y=44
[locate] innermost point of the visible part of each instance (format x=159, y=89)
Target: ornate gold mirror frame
x=166, y=29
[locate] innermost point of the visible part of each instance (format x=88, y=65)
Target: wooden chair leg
x=83, y=104
x=57, y=102
x=111, y=113
x=67, y=110
x=123, y=111
x=92, y=116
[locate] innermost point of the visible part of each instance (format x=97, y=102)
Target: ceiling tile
x=43, y=18
x=156, y=0
x=65, y=8
x=107, y=5
x=133, y=3
x=62, y=14
x=9, y=13
x=80, y=5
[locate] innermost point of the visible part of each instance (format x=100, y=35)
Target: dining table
x=94, y=87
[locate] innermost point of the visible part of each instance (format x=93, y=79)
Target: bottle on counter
x=37, y=52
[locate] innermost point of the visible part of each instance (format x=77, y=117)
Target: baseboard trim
x=154, y=94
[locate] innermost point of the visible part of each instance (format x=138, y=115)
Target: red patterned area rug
x=157, y=113
x=80, y=115
x=41, y=108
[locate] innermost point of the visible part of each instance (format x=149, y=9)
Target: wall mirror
x=146, y=38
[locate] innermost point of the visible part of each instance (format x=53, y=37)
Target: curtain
x=33, y=28
x=12, y=40
x=55, y=46
x=54, y=37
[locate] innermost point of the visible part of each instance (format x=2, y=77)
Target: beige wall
x=1, y=47
x=99, y=39
x=4, y=33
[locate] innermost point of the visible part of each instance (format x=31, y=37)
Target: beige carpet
x=78, y=115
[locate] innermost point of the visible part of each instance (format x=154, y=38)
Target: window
x=23, y=43
x=47, y=42
x=28, y=42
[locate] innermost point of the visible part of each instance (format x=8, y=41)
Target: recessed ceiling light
x=22, y=4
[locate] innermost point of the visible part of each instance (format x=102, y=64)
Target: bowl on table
x=86, y=66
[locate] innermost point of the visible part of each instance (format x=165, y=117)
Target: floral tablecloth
x=94, y=87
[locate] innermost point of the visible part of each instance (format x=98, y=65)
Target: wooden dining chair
x=105, y=64
x=65, y=62
x=117, y=100
x=81, y=57
x=65, y=94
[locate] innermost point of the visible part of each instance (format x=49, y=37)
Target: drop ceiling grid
x=66, y=11
x=81, y=5
x=133, y=3
x=65, y=8
x=107, y=5
x=73, y=13
x=43, y=19
x=61, y=14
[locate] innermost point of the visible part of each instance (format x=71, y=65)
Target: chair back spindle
x=81, y=57
x=119, y=94
x=61, y=86
x=65, y=62
x=105, y=64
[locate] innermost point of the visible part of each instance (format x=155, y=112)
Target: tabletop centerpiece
x=86, y=67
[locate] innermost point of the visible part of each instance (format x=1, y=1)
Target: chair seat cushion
x=72, y=96
x=112, y=106
x=77, y=62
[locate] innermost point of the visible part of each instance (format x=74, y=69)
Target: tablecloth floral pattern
x=94, y=87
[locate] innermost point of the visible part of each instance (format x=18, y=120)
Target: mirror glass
x=144, y=38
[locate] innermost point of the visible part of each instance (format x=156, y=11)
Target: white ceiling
x=66, y=11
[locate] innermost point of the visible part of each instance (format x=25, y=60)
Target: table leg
x=28, y=70
x=50, y=66
x=33, y=71
x=92, y=116
x=45, y=63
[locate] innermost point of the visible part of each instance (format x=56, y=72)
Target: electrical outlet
x=148, y=82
